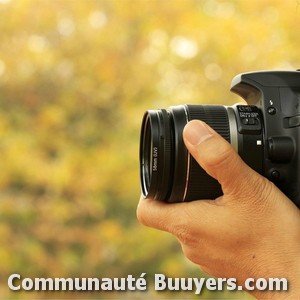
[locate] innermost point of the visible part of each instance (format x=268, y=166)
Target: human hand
x=252, y=231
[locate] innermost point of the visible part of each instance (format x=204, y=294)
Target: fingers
x=156, y=214
x=219, y=159
x=163, y=216
x=176, y=218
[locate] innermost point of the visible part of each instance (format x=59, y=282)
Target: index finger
x=157, y=214
x=173, y=217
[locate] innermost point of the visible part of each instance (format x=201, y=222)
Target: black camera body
x=265, y=133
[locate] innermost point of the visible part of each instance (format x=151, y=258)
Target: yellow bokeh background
x=75, y=79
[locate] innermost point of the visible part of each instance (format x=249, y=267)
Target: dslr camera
x=265, y=133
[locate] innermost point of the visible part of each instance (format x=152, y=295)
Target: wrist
x=290, y=273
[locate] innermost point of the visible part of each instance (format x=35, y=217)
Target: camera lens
x=168, y=172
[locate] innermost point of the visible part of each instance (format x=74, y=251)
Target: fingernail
x=196, y=132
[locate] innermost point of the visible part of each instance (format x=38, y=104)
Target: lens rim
x=155, y=142
x=147, y=163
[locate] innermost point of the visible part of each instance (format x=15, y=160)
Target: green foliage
x=75, y=79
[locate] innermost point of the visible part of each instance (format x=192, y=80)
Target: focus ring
x=200, y=184
x=214, y=115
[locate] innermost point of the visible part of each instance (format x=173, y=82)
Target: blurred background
x=75, y=79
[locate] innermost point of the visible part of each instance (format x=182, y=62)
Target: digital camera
x=265, y=133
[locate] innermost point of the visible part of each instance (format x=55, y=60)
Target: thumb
x=219, y=159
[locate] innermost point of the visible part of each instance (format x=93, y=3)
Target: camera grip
x=277, y=95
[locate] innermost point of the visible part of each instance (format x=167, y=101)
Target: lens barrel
x=168, y=172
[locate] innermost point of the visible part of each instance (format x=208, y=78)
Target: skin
x=252, y=231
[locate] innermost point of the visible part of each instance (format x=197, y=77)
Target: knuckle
x=256, y=195
x=225, y=155
x=140, y=215
x=191, y=254
x=262, y=191
x=182, y=233
x=145, y=213
x=182, y=229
